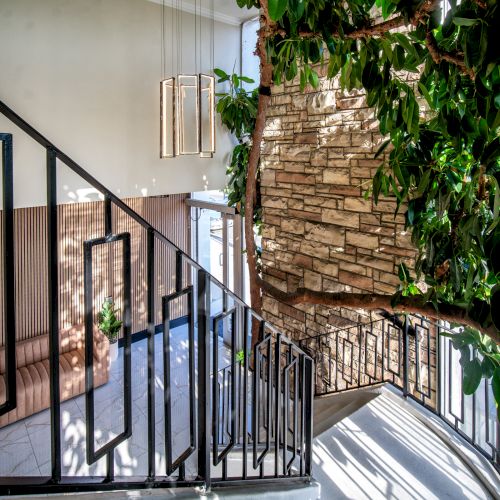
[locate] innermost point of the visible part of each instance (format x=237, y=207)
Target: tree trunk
x=371, y=302
x=266, y=79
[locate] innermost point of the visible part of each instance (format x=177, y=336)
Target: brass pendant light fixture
x=187, y=101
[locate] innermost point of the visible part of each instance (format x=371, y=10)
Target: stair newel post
x=277, y=402
x=309, y=384
x=53, y=303
x=406, y=362
x=151, y=351
x=204, y=424
x=9, y=306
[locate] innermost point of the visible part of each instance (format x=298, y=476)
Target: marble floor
x=25, y=445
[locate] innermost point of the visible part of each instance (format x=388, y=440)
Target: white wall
x=86, y=73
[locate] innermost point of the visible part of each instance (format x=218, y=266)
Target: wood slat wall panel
x=78, y=222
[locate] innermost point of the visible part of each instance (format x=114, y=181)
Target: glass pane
x=207, y=121
x=167, y=91
x=187, y=117
x=230, y=255
x=210, y=250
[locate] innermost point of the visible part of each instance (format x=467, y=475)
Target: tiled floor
x=25, y=445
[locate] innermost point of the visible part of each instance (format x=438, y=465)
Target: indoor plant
x=110, y=326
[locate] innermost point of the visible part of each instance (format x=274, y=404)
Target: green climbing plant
x=434, y=84
x=238, y=110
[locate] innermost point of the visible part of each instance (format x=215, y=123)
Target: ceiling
x=226, y=11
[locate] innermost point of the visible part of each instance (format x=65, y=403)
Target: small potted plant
x=110, y=326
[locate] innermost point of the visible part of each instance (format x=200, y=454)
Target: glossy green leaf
x=277, y=8
x=472, y=373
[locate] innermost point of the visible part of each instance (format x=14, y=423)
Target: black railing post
x=108, y=220
x=178, y=271
x=309, y=383
x=9, y=308
x=438, y=368
x=53, y=303
x=405, y=357
x=277, y=402
x=151, y=352
x=204, y=378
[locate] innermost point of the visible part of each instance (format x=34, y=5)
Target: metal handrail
x=397, y=352
x=75, y=167
x=269, y=351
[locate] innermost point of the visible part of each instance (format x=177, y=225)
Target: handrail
x=37, y=136
x=203, y=423
x=79, y=170
x=401, y=356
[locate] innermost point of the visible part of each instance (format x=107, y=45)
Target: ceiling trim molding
x=190, y=9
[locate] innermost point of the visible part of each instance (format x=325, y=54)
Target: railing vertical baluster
x=110, y=466
x=277, y=400
x=108, y=221
x=308, y=382
x=438, y=369
x=383, y=350
x=204, y=378
x=405, y=357
x=53, y=303
x=178, y=271
x=360, y=342
x=9, y=307
x=245, y=391
x=337, y=361
x=302, y=408
x=151, y=351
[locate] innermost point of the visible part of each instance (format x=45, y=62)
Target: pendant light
x=187, y=101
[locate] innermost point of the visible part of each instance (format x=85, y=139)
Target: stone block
x=305, y=215
x=274, y=202
x=335, y=140
x=326, y=268
x=306, y=138
x=336, y=176
x=353, y=279
x=303, y=261
x=340, y=218
x=314, y=249
x=322, y=233
x=292, y=312
x=295, y=178
x=362, y=240
x=321, y=103
x=294, y=226
x=358, y=205
x=351, y=102
x=313, y=280
x=295, y=152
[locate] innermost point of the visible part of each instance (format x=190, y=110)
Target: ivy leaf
x=472, y=373
x=462, y=21
x=246, y=79
x=277, y=8
x=495, y=386
x=313, y=79
x=382, y=148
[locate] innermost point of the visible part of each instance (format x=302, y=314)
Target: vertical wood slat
x=78, y=222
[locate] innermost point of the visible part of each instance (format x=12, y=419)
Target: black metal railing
x=266, y=432
x=409, y=352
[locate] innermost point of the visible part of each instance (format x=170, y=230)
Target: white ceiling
x=226, y=11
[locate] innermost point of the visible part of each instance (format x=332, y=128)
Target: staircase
x=258, y=428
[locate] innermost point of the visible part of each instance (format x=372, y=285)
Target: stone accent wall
x=319, y=230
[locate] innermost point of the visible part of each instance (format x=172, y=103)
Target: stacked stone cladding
x=319, y=230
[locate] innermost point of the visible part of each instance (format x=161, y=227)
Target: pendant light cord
x=212, y=39
x=163, y=40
